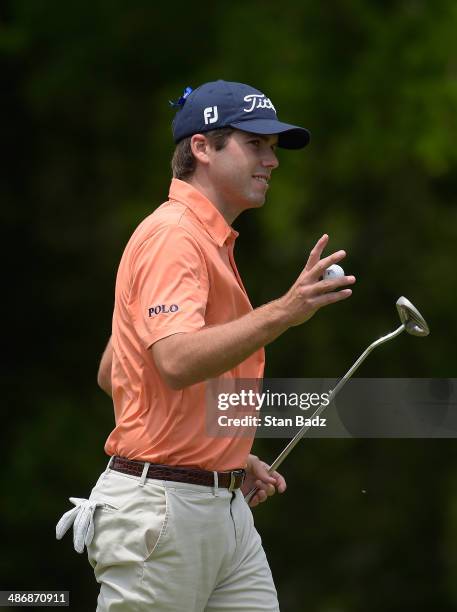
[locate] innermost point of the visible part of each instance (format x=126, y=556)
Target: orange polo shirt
x=177, y=275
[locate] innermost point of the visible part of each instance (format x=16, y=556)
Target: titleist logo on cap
x=258, y=101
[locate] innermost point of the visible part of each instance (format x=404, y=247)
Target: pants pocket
x=130, y=522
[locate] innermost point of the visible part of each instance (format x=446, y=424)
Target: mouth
x=262, y=178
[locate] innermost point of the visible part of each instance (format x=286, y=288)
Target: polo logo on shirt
x=162, y=309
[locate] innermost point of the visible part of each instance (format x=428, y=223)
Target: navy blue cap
x=225, y=104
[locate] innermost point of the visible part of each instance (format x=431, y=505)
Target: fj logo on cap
x=210, y=114
x=257, y=101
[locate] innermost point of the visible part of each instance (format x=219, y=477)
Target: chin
x=255, y=200
x=258, y=202
x=253, y=204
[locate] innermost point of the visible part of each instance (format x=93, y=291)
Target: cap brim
x=289, y=136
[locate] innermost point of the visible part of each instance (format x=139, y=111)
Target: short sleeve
x=169, y=289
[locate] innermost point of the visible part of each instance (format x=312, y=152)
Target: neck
x=214, y=197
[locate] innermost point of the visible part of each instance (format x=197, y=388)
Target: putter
x=411, y=320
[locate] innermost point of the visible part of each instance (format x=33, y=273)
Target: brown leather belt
x=226, y=480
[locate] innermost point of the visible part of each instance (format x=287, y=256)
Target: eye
x=255, y=142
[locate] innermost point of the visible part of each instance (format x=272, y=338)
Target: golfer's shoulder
x=175, y=218
x=169, y=226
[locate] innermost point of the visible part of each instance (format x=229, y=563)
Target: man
x=167, y=526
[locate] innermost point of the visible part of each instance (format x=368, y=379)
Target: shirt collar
x=208, y=215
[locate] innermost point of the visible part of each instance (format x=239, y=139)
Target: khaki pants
x=177, y=547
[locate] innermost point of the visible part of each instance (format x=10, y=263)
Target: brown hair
x=183, y=162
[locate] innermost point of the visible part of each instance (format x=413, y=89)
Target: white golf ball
x=334, y=271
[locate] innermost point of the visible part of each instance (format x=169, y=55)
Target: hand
x=310, y=292
x=257, y=476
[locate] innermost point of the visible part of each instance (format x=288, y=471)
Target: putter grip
x=250, y=495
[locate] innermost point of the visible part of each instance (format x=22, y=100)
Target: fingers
x=316, y=252
x=276, y=482
x=330, y=298
x=331, y=284
x=281, y=485
x=257, y=499
x=266, y=484
x=324, y=287
x=267, y=487
x=262, y=494
x=315, y=266
x=320, y=266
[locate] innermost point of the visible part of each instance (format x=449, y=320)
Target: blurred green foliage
x=87, y=144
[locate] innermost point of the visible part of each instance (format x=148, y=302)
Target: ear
x=200, y=148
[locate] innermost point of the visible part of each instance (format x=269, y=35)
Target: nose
x=270, y=160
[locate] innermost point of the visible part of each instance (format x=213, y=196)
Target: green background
x=87, y=146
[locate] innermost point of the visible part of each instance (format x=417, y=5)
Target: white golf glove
x=82, y=519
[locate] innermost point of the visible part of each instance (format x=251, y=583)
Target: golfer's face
x=241, y=170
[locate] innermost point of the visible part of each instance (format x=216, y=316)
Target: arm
x=104, y=370
x=186, y=359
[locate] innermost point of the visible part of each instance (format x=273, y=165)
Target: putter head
x=411, y=318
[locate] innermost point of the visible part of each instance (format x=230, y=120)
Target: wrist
x=278, y=315
x=249, y=462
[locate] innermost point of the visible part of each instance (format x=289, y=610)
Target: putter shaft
x=285, y=452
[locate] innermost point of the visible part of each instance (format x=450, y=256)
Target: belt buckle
x=233, y=475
